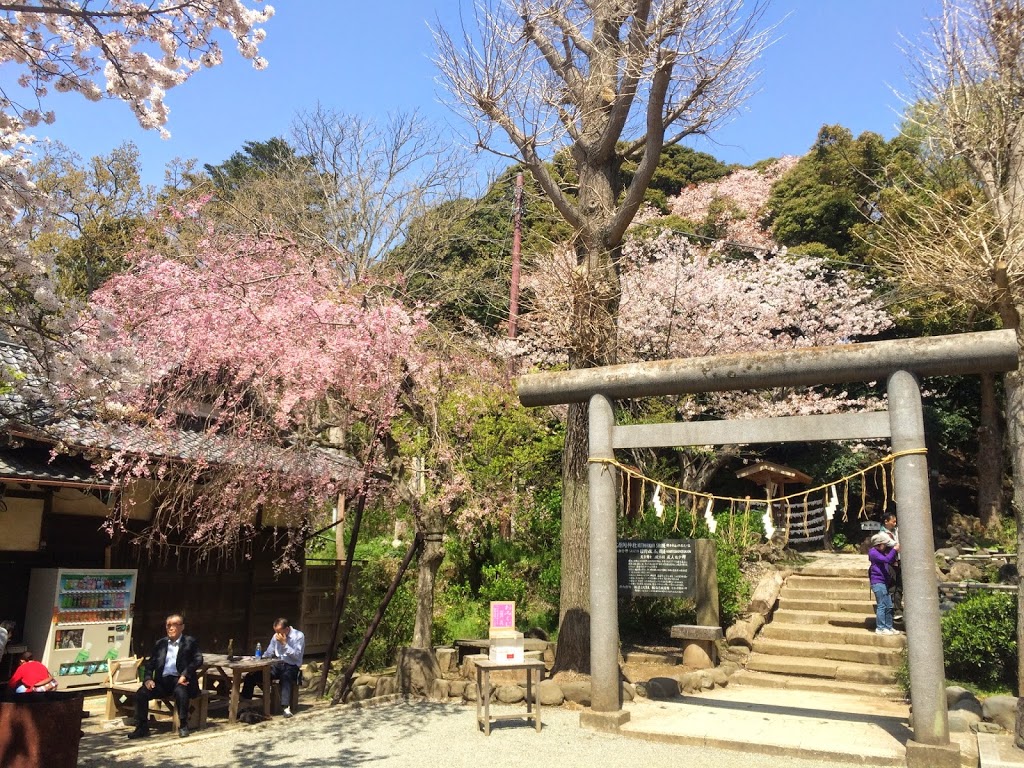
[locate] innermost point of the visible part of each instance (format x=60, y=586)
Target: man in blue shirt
x=286, y=648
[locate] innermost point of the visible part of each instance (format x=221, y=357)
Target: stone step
x=862, y=606
x=837, y=566
x=825, y=593
x=826, y=618
x=809, y=649
x=786, y=682
x=842, y=671
x=646, y=657
x=799, y=581
x=828, y=633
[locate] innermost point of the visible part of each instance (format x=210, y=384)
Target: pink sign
x=503, y=615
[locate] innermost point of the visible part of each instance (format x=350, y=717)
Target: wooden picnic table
x=217, y=669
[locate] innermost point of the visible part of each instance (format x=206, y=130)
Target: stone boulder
x=468, y=669
x=386, y=686
x=577, y=691
x=311, y=671
x=456, y=688
x=691, y=682
x=417, y=671
x=955, y=693
x=439, y=690
x=362, y=692
x=719, y=676
x=962, y=721
x=984, y=727
x=1001, y=710
x=509, y=694
x=968, y=704
x=446, y=659
x=961, y=571
x=549, y=693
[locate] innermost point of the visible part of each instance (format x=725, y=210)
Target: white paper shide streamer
x=657, y=503
x=712, y=523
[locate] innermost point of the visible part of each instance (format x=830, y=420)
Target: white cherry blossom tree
x=132, y=50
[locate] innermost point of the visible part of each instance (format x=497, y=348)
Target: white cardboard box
x=506, y=646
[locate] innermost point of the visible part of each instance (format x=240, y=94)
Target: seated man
x=31, y=676
x=171, y=670
x=286, y=648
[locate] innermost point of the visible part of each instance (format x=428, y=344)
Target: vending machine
x=78, y=620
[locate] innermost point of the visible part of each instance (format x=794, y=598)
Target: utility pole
x=517, y=243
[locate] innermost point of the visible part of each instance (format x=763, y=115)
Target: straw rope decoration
x=885, y=495
x=802, y=498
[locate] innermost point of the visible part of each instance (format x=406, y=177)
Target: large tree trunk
x=431, y=557
x=594, y=309
x=573, y=649
x=990, y=456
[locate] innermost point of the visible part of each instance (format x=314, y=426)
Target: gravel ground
x=424, y=735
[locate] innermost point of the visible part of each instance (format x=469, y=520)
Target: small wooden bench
x=122, y=685
x=275, y=696
x=698, y=644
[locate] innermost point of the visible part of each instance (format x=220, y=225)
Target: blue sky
x=835, y=61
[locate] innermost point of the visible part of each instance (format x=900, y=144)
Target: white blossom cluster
x=681, y=298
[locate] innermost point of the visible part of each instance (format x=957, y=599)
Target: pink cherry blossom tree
x=266, y=359
x=122, y=49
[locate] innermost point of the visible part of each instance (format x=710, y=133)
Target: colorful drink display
x=93, y=599
x=80, y=618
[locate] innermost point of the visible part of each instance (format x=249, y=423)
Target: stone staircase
x=821, y=636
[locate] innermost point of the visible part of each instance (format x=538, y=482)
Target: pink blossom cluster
x=274, y=321
x=742, y=198
x=260, y=350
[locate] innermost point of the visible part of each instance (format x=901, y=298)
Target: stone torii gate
x=898, y=362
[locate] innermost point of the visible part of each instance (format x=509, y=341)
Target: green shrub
x=979, y=640
x=459, y=615
x=733, y=588
x=501, y=581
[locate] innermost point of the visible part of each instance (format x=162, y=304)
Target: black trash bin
x=40, y=730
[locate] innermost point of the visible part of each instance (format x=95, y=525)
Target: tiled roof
x=33, y=462
x=27, y=410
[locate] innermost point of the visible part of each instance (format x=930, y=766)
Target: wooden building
x=54, y=507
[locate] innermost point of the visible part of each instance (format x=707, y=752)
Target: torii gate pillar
x=920, y=589
x=605, y=688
